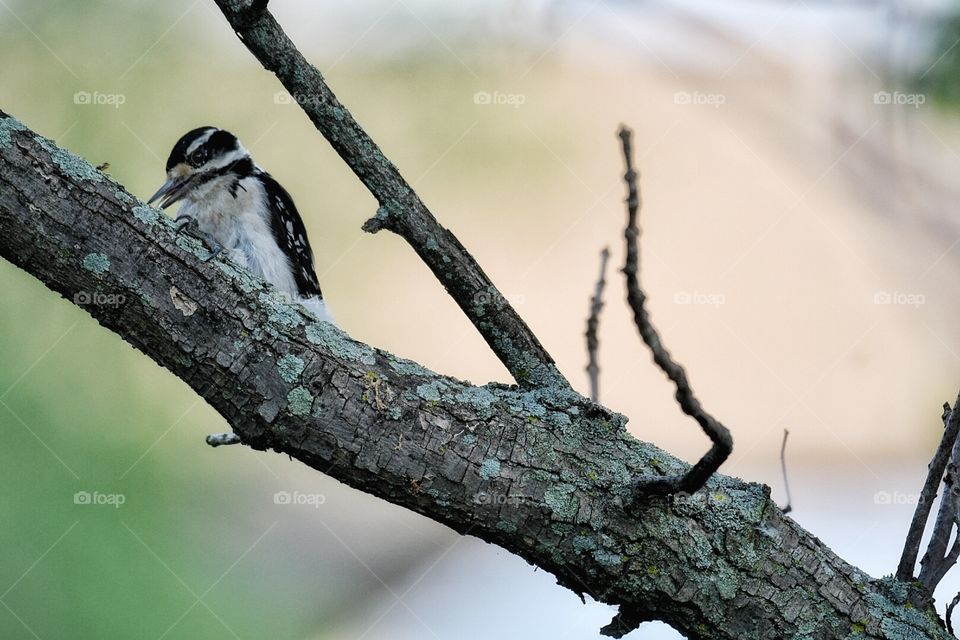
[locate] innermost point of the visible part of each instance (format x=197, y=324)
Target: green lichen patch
x=192, y=246
x=409, y=368
x=281, y=311
x=241, y=277
x=490, y=468
x=607, y=558
x=339, y=343
x=378, y=221
x=582, y=544
x=97, y=263
x=888, y=603
x=299, y=401
x=561, y=419
x=71, y=164
x=480, y=399
x=7, y=126
x=561, y=500
x=439, y=497
x=431, y=392
x=506, y=527
x=290, y=367
x=145, y=214
x=123, y=197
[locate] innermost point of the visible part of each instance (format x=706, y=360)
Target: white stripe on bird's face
x=224, y=160
x=200, y=141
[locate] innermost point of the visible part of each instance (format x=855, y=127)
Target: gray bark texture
x=540, y=471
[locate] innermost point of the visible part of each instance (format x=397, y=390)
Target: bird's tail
x=318, y=307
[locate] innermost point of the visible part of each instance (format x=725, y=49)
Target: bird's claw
x=190, y=225
x=185, y=222
x=215, y=249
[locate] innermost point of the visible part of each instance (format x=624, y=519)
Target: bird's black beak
x=172, y=190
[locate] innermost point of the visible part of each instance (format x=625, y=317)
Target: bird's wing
x=291, y=236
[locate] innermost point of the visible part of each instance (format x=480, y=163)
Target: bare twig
x=935, y=471
x=950, y=607
x=593, y=323
x=401, y=210
x=936, y=560
x=698, y=475
x=787, y=508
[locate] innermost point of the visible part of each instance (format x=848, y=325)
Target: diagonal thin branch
x=787, y=508
x=593, y=323
x=401, y=210
x=949, y=616
x=719, y=435
x=937, y=561
x=935, y=471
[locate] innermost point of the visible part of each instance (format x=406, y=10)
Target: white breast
x=242, y=226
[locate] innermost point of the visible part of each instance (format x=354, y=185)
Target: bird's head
x=200, y=156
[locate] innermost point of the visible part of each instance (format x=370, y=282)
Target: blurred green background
x=777, y=185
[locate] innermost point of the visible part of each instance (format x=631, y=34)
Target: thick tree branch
x=719, y=435
x=539, y=472
x=401, y=209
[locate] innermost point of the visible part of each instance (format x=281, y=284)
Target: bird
x=240, y=209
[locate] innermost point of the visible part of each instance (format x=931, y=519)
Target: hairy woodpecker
x=241, y=209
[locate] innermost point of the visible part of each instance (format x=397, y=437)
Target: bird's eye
x=199, y=157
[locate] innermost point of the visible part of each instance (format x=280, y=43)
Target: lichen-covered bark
x=539, y=472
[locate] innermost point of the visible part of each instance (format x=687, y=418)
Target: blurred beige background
x=799, y=251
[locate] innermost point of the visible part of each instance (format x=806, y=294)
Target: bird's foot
x=188, y=224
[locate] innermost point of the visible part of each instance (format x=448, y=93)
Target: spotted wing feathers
x=291, y=236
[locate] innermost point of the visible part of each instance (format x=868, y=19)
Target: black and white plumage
x=243, y=210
